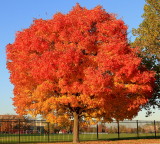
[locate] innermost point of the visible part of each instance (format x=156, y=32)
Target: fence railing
x=21, y=131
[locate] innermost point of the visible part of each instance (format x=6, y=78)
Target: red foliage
x=80, y=61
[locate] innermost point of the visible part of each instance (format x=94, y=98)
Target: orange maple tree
x=77, y=65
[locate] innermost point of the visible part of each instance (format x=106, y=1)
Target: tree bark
x=76, y=128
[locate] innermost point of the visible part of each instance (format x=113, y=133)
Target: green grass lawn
x=14, y=138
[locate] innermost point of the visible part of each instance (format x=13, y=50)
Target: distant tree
x=112, y=129
x=123, y=128
x=5, y=126
x=78, y=65
x=10, y=122
x=148, y=39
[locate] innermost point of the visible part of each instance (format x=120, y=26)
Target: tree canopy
x=78, y=65
x=148, y=33
x=148, y=40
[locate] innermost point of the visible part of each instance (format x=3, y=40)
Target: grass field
x=32, y=138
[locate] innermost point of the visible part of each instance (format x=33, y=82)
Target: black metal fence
x=33, y=131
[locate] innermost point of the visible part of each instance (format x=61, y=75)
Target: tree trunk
x=76, y=128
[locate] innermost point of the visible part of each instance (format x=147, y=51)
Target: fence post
x=48, y=130
x=118, y=129
x=155, y=129
x=97, y=131
x=19, y=130
x=137, y=130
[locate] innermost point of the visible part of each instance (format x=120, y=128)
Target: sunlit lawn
x=14, y=138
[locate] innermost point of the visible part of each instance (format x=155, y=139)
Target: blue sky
x=16, y=15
